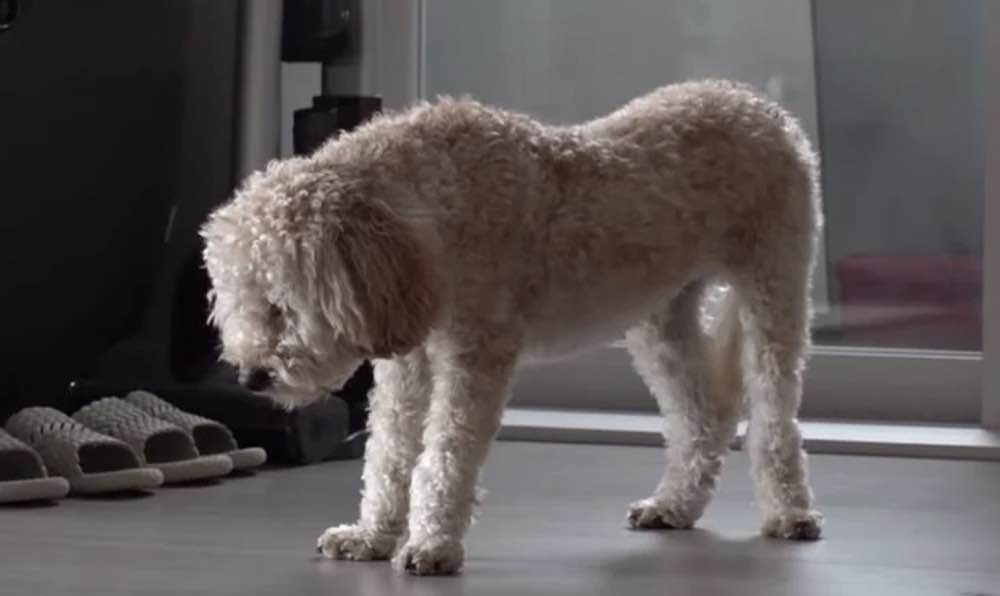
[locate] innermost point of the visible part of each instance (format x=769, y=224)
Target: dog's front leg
x=470, y=390
x=398, y=406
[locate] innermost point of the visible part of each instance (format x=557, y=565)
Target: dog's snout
x=256, y=379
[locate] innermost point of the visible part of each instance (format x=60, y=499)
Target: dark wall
x=116, y=135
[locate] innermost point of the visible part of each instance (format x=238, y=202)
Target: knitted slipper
x=93, y=463
x=160, y=444
x=23, y=476
x=210, y=437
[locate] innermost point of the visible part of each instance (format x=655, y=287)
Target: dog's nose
x=256, y=379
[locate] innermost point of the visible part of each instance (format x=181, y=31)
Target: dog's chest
x=577, y=312
x=567, y=327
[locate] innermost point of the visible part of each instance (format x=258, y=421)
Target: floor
x=552, y=524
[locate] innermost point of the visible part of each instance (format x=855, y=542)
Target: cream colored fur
x=453, y=242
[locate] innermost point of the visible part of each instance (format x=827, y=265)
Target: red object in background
x=912, y=301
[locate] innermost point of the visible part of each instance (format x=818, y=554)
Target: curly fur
x=454, y=241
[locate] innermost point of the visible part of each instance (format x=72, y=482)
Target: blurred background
x=124, y=123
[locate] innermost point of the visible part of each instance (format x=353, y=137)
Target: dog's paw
x=355, y=543
x=651, y=514
x=431, y=556
x=795, y=525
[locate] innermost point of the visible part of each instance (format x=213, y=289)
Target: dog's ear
x=394, y=291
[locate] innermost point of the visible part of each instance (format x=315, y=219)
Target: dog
x=453, y=242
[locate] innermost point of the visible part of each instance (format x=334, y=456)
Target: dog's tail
x=723, y=345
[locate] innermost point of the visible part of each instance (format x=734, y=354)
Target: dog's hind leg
x=473, y=378
x=700, y=408
x=775, y=298
x=398, y=407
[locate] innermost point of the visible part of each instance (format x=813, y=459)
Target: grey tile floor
x=552, y=523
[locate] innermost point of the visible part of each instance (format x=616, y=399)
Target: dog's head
x=310, y=277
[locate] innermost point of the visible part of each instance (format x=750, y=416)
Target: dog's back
x=595, y=225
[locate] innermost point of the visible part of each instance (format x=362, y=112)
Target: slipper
x=210, y=437
x=91, y=462
x=23, y=476
x=160, y=444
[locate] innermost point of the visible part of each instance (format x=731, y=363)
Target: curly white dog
x=454, y=241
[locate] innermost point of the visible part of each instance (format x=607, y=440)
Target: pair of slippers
x=113, y=444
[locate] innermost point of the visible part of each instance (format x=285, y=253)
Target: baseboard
x=838, y=437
